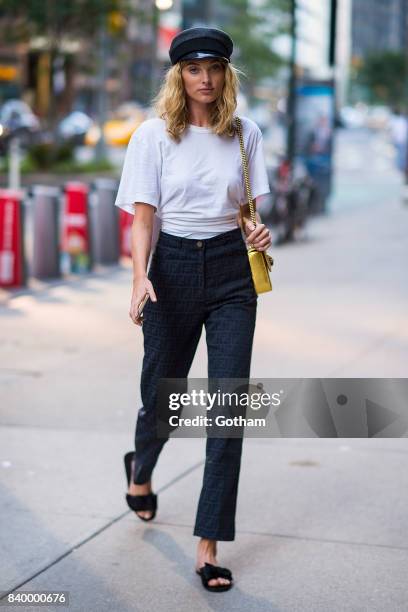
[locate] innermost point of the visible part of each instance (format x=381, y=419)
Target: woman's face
x=203, y=79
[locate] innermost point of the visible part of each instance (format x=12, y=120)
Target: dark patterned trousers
x=198, y=282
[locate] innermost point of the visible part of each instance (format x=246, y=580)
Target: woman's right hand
x=140, y=288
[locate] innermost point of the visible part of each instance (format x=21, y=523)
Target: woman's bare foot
x=140, y=489
x=206, y=553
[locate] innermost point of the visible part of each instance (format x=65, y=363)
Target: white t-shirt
x=195, y=185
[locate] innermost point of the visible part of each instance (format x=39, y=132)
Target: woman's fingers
x=134, y=310
x=260, y=237
x=259, y=229
x=151, y=291
x=133, y=313
x=137, y=300
x=262, y=242
x=136, y=320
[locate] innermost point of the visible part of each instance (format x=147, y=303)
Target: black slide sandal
x=139, y=503
x=209, y=572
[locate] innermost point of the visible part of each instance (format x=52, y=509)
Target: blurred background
x=325, y=80
x=327, y=83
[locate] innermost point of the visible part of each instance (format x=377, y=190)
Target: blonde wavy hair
x=170, y=103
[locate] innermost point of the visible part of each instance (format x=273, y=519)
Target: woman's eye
x=214, y=67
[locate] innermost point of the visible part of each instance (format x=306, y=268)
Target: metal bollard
x=104, y=222
x=46, y=257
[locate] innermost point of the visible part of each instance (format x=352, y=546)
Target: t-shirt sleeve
x=140, y=179
x=258, y=176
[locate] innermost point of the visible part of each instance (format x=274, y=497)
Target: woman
x=186, y=165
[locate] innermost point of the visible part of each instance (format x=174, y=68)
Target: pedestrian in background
x=185, y=166
x=399, y=135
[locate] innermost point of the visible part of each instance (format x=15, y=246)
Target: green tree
x=384, y=77
x=253, y=29
x=55, y=20
x=58, y=22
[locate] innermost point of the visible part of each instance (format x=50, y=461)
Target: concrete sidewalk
x=321, y=524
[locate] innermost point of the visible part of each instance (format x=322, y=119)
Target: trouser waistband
x=194, y=243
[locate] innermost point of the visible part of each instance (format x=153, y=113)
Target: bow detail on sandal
x=142, y=502
x=210, y=572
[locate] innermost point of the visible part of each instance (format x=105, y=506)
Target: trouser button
x=199, y=243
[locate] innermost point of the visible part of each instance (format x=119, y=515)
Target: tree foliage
x=254, y=27
x=22, y=19
x=385, y=77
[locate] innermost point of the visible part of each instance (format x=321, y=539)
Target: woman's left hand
x=260, y=237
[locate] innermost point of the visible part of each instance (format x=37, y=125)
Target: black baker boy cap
x=197, y=43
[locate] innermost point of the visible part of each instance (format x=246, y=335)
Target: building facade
x=378, y=25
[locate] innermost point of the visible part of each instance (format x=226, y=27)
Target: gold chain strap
x=245, y=168
x=268, y=258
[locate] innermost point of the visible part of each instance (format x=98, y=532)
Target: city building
x=313, y=37
x=378, y=25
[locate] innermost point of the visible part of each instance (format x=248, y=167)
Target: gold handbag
x=261, y=262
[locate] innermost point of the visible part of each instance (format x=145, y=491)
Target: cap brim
x=202, y=55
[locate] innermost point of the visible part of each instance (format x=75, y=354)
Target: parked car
x=119, y=127
x=17, y=120
x=74, y=127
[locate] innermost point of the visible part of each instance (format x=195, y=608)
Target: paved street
x=321, y=524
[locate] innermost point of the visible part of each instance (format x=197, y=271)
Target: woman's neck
x=199, y=115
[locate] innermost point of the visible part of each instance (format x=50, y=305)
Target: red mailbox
x=125, y=226
x=75, y=245
x=12, y=272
